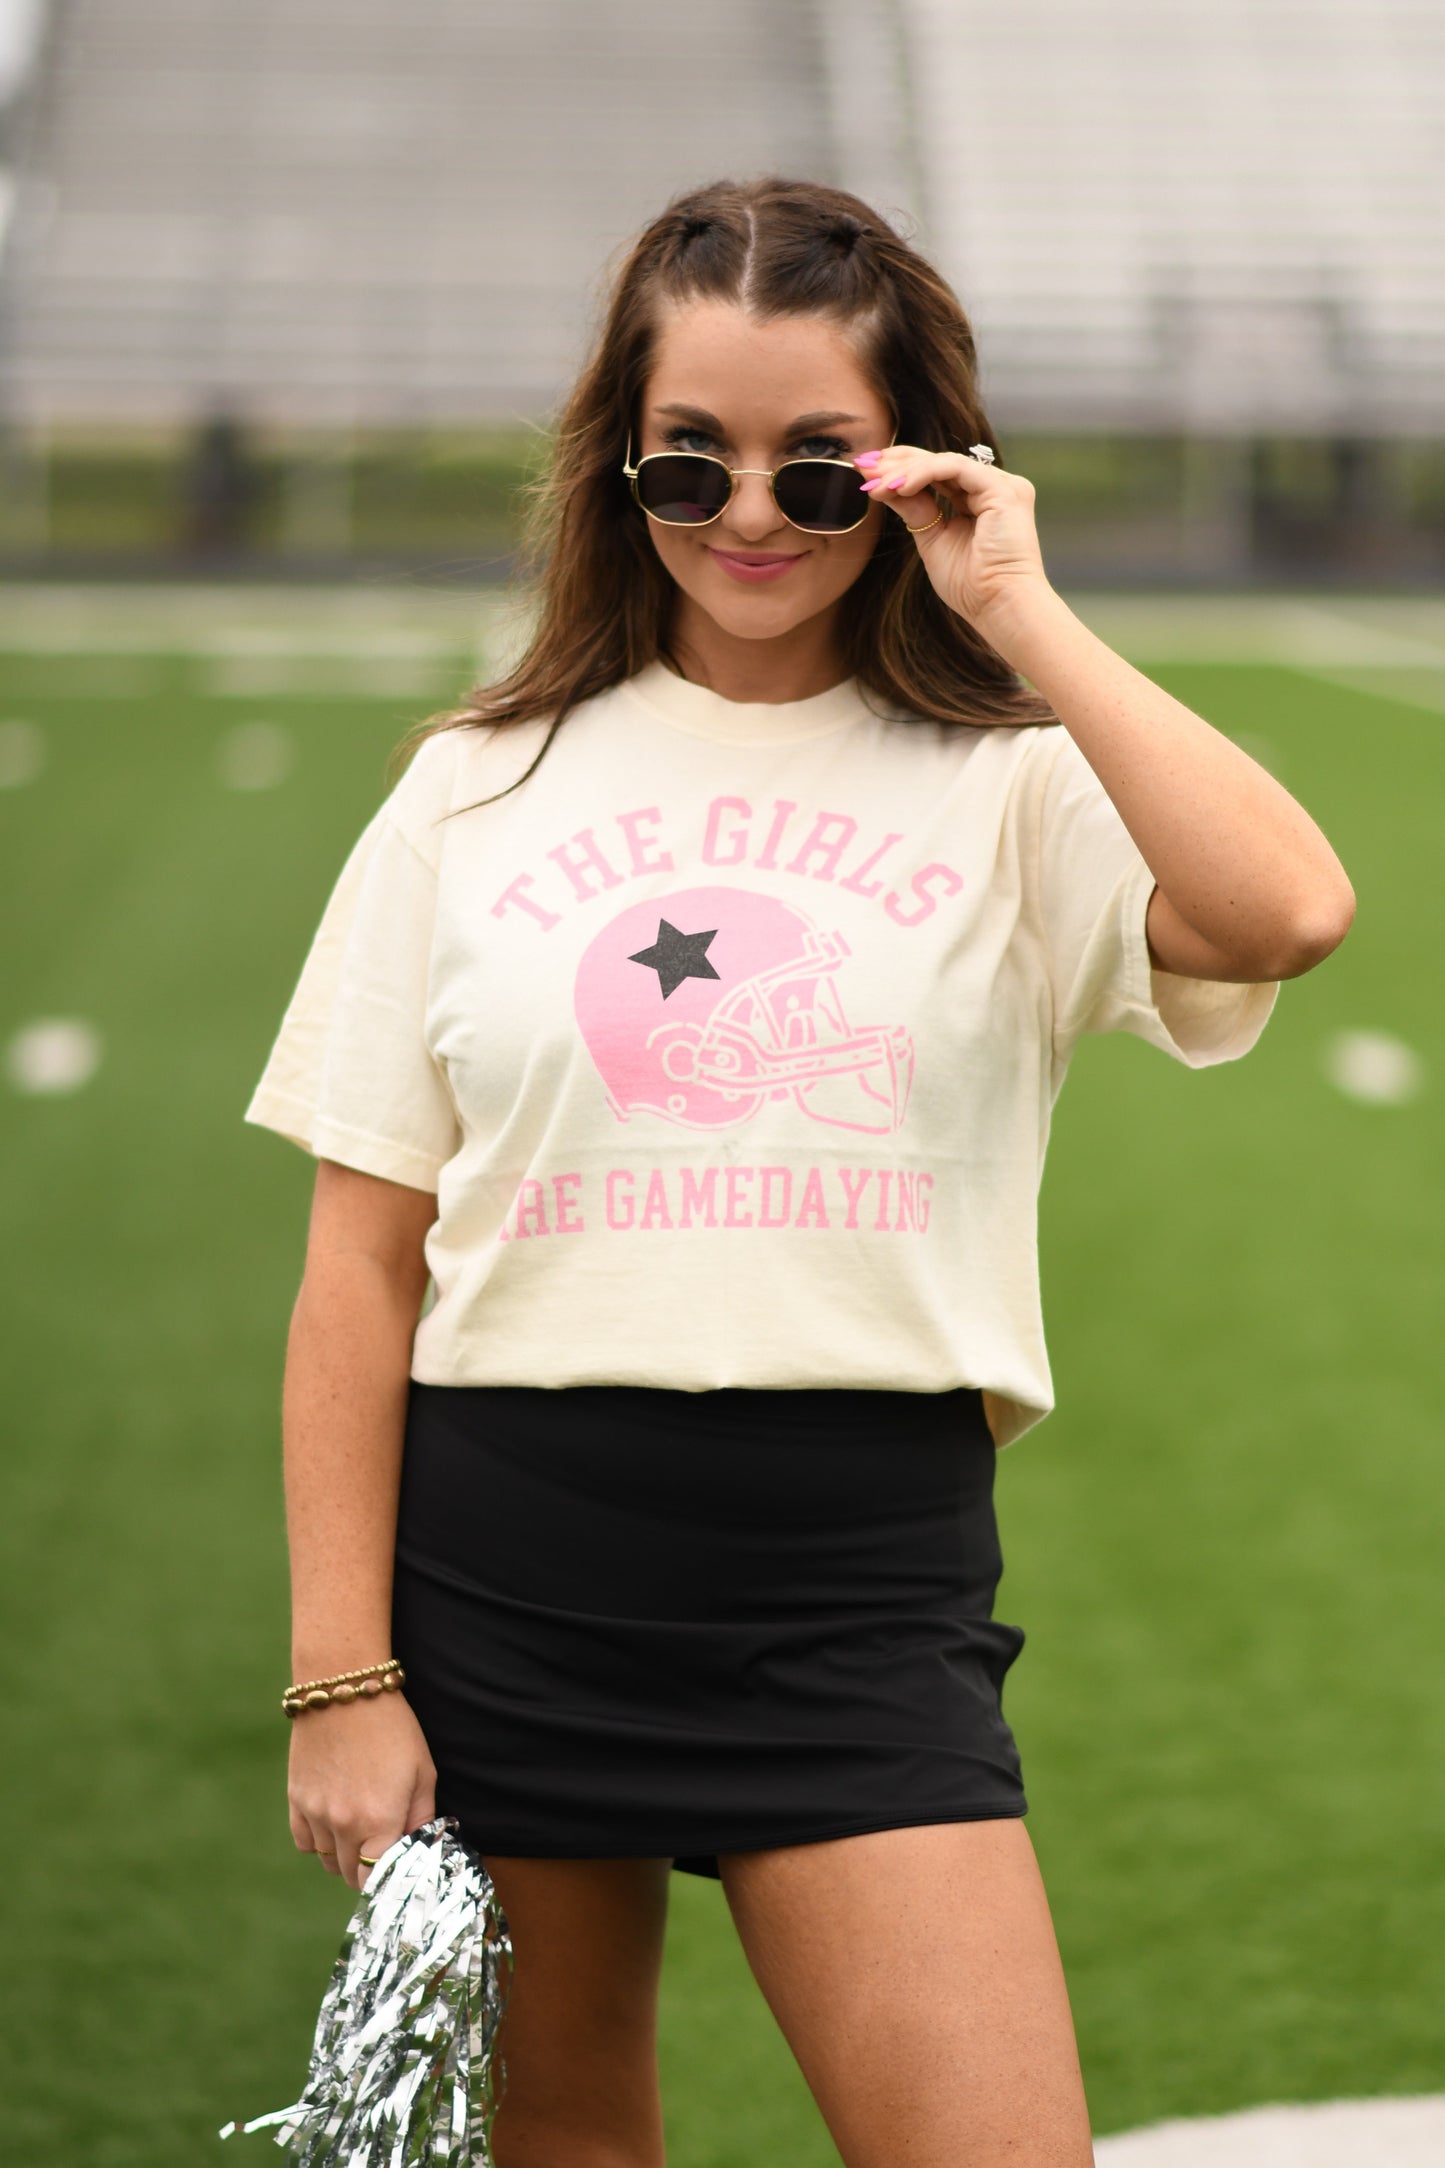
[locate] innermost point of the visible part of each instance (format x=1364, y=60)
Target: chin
x=759, y=615
x=759, y=624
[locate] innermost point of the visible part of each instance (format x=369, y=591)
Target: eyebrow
x=803, y=424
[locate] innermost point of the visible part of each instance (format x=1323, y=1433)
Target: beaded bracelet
x=382, y=1678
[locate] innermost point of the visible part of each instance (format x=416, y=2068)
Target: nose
x=752, y=514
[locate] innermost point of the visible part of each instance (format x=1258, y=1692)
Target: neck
x=792, y=666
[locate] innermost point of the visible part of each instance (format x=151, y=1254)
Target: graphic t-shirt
x=728, y=1042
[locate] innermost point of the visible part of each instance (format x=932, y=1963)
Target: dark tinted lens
x=683, y=488
x=822, y=496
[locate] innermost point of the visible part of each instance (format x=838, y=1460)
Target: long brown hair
x=779, y=248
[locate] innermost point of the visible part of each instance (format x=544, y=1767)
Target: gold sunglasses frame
x=733, y=472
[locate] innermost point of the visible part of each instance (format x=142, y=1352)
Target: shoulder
x=1047, y=765
x=424, y=793
x=1008, y=743
x=1003, y=765
x=460, y=768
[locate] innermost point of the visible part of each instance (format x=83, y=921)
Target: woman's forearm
x=348, y=1359
x=1240, y=860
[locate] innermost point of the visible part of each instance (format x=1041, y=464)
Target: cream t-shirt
x=729, y=1041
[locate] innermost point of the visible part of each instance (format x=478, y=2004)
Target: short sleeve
x=350, y=1075
x=1093, y=889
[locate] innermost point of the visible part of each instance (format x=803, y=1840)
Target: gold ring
x=324, y=1855
x=927, y=525
x=365, y=1861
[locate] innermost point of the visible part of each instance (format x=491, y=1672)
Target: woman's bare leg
x=579, y=2032
x=916, y=1978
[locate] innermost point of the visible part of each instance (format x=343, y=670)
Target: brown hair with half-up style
x=778, y=248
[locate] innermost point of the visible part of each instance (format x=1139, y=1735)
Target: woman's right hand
x=360, y=1776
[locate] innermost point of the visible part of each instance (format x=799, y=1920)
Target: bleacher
x=365, y=210
x=1198, y=215
x=1212, y=216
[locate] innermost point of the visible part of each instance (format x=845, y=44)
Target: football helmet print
x=700, y=1005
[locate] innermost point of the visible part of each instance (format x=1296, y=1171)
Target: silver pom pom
x=401, y=2072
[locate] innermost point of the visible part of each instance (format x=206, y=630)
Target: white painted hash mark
x=22, y=752
x=1404, y=2133
x=255, y=756
x=1373, y=1066
x=54, y=1054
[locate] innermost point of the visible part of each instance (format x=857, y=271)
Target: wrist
x=364, y=1683
x=1021, y=620
x=323, y=1655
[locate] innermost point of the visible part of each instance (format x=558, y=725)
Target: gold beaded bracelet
x=346, y=1686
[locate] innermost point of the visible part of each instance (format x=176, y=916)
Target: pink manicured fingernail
x=867, y=459
x=866, y=486
x=898, y=481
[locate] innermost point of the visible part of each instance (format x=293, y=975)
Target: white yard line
x=40, y=618
x=1413, y=688
x=1408, y=2132
x=1296, y=632
x=1389, y=647
x=281, y=637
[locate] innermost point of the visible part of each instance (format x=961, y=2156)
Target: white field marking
x=56, y=618
x=22, y=752
x=1413, y=688
x=369, y=643
x=1373, y=632
x=255, y=756
x=1389, y=647
x=413, y=642
x=1324, y=638
x=39, y=617
x=324, y=675
x=54, y=1054
x=1373, y=1066
x=1403, y=2133
x=502, y=635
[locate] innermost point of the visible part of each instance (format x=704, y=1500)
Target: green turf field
x=1224, y=1545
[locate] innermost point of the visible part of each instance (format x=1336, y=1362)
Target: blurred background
x=288, y=297
x=294, y=286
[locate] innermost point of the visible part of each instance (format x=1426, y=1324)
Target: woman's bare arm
x=360, y=1773
x=1247, y=886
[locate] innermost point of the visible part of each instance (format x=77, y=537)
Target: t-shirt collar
x=705, y=714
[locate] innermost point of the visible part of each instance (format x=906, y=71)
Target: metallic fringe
x=401, y=2072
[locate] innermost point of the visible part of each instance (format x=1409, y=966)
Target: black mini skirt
x=638, y=1621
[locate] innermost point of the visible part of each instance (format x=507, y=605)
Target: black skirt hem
x=703, y=1861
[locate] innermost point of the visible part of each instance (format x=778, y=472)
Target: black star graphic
x=676, y=956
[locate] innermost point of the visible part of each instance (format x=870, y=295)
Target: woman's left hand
x=985, y=553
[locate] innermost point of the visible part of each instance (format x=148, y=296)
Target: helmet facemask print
x=701, y=1005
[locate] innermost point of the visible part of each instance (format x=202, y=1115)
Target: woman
x=704, y=1059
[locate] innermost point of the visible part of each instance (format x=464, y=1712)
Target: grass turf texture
x=1224, y=1544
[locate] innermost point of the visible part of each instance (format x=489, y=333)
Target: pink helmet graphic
x=700, y=1005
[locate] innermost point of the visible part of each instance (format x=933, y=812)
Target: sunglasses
x=691, y=489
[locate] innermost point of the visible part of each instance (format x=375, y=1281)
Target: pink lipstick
x=755, y=567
